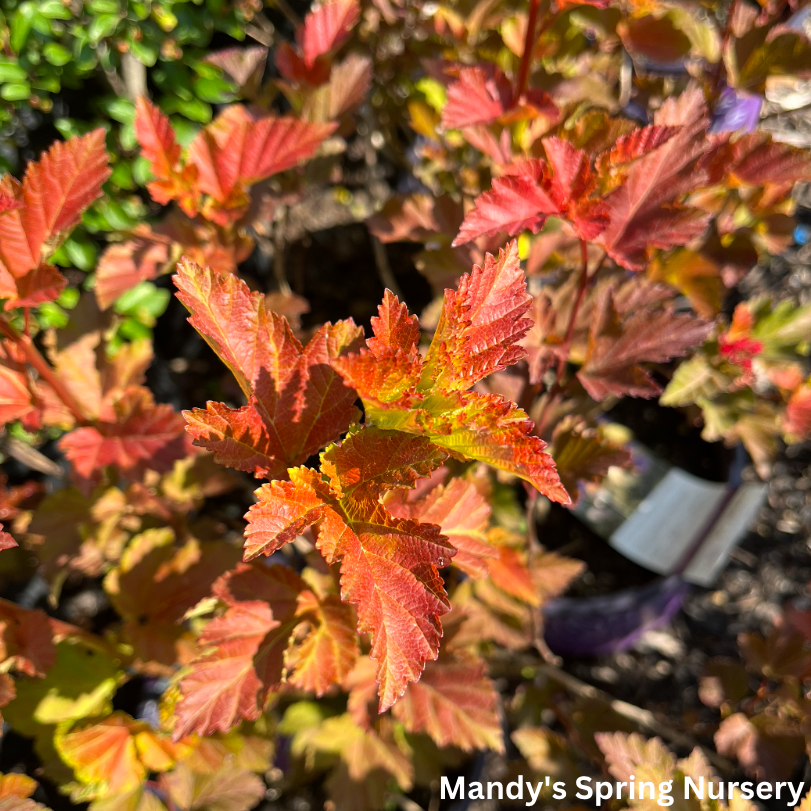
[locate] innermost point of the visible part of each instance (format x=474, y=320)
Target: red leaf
x=647, y=211
x=173, y=181
x=55, y=192
x=329, y=651
x=243, y=650
x=618, y=343
x=327, y=27
x=455, y=704
x=157, y=139
x=628, y=148
x=477, y=335
x=758, y=161
x=389, y=567
x=282, y=512
x=239, y=149
x=516, y=202
x=532, y=190
x=481, y=324
x=798, y=413
x=6, y=541
x=15, y=396
x=572, y=185
x=292, y=67
x=9, y=203
x=463, y=515
x=136, y=435
x=479, y=96
x=125, y=264
x=286, y=384
x=44, y=283
x=27, y=640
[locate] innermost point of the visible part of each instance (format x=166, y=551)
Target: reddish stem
x=529, y=47
x=567, y=341
x=44, y=370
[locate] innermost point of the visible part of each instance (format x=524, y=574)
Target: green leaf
x=69, y=298
x=50, y=315
x=145, y=54
x=141, y=170
x=102, y=26
x=695, y=378
x=126, y=135
x=164, y=18
x=144, y=302
x=194, y=109
x=105, y=7
x=122, y=176
x=15, y=92
x=54, y=10
x=11, y=72
x=71, y=127
x=48, y=84
x=215, y=90
x=56, y=54
x=81, y=251
x=79, y=685
x=21, y=24
x=133, y=330
x=122, y=110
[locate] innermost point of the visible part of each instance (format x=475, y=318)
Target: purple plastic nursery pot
x=595, y=626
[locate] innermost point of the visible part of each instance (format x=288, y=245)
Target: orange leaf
x=55, y=192
x=329, y=651
x=478, y=334
x=134, y=435
x=389, y=567
x=455, y=704
x=461, y=512
x=287, y=384
x=243, y=650
x=108, y=754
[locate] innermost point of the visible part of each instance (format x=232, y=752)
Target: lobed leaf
x=134, y=435
x=54, y=193
x=647, y=211
x=480, y=95
x=389, y=566
x=462, y=513
x=532, y=190
x=243, y=650
x=618, y=344
x=478, y=334
x=297, y=403
x=327, y=27
x=455, y=704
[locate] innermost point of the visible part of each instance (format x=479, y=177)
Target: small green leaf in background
x=10, y=71
x=51, y=315
x=21, y=24
x=102, y=26
x=56, y=54
x=17, y=91
x=145, y=302
x=145, y=54
x=81, y=252
x=54, y=10
x=215, y=90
